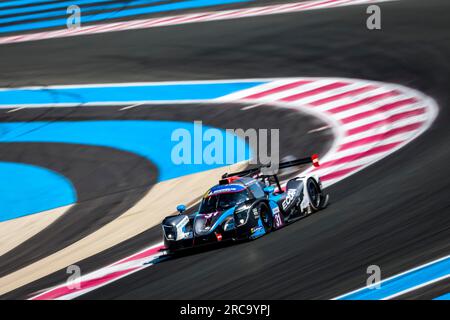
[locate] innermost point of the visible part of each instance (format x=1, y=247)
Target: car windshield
x=222, y=201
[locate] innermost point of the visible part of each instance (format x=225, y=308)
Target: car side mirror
x=181, y=208
x=269, y=190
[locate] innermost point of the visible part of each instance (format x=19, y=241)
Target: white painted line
x=131, y=106
x=252, y=106
x=320, y=129
x=187, y=18
x=15, y=110
x=395, y=276
x=416, y=287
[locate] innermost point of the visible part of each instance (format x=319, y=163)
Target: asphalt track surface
x=105, y=200
x=107, y=181
x=393, y=214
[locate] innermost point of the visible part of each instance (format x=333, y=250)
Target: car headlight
x=177, y=228
x=170, y=232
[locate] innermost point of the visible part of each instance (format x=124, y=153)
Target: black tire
x=266, y=217
x=315, y=193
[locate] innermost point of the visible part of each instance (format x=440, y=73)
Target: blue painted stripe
x=190, y=4
x=149, y=139
x=27, y=189
x=84, y=10
x=443, y=297
x=48, y=6
x=403, y=282
x=14, y=3
x=110, y=94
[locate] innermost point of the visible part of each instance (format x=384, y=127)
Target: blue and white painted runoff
x=152, y=140
x=405, y=282
x=443, y=297
x=26, y=189
x=27, y=6
x=147, y=138
x=98, y=15
x=313, y=95
x=60, y=9
x=118, y=94
x=283, y=92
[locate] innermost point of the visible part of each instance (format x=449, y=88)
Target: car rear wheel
x=315, y=193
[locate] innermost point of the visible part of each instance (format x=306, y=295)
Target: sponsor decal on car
x=255, y=213
x=180, y=229
x=278, y=220
x=218, y=236
x=255, y=229
x=289, y=198
x=224, y=189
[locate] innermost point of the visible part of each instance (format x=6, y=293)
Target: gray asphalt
x=393, y=214
x=139, y=174
x=107, y=182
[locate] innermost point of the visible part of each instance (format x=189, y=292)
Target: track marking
x=427, y=283
x=113, y=272
x=402, y=283
x=443, y=297
x=131, y=106
x=252, y=106
x=376, y=132
x=15, y=110
x=186, y=19
x=332, y=176
x=323, y=128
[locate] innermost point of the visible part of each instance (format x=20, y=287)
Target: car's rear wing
x=256, y=172
x=314, y=159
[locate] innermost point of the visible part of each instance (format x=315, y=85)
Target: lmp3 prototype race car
x=245, y=205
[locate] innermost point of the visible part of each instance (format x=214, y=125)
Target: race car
x=244, y=206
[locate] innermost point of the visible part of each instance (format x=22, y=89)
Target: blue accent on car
x=273, y=205
x=275, y=197
x=27, y=189
x=258, y=231
x=221, y=219
x=269, y=190
x=228, y=188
